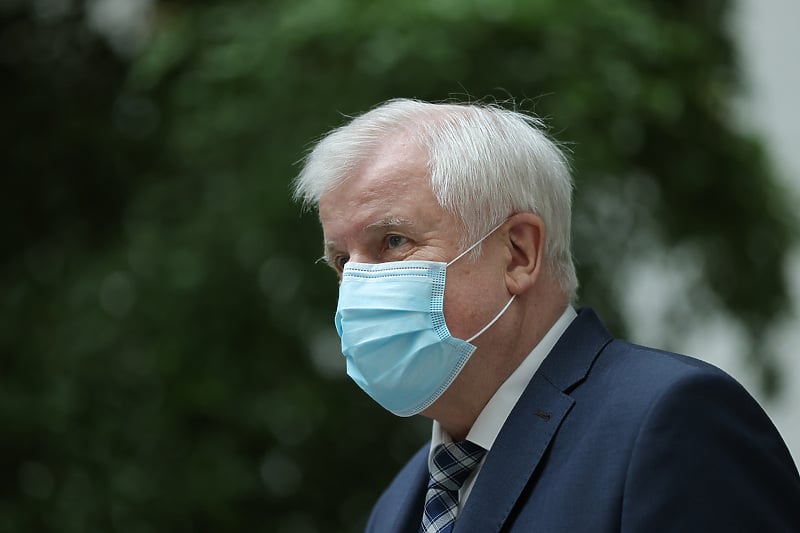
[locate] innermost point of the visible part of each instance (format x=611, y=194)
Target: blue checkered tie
x=452, y=465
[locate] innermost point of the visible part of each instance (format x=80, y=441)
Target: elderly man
x=449, y=227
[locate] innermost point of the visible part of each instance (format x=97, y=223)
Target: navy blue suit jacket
x=609, y=436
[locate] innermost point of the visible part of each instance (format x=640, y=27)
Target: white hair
x=486, y=163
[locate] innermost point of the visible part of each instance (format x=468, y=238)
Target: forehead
x=391, y=186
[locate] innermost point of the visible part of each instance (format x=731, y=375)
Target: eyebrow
x=391, y=222
x=329, y=247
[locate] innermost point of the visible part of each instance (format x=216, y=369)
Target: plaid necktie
x=452, y=465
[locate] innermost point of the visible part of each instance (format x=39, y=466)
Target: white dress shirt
x=491, y=419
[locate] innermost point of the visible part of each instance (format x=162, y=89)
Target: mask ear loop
x=468, y=250
x=495, y=319
x=503, y=310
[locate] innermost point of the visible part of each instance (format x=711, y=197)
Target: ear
x=525, y=241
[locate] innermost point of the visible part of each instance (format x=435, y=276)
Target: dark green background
x=168, y=356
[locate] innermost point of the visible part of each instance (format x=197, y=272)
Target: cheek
x=468, y=306
x=460, y=315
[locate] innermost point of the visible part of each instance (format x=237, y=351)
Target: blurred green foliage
x=168, y=356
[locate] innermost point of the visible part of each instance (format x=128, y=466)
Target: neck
x=489, y=367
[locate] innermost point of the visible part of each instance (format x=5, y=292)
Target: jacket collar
x=573, y=355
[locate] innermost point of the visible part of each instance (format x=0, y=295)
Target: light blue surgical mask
x=395, y=340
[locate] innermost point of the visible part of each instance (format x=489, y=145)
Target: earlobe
x=525, y=241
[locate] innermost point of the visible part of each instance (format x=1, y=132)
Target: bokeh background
x=167, y=355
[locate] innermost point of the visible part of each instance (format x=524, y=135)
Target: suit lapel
x=412, y=505
x=403, y=513
x=514, y=457
x=531, y=426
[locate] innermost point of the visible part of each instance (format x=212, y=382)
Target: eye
x=393, y=241
x=340, y=260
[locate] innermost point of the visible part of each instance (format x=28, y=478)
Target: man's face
x=386, y=211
